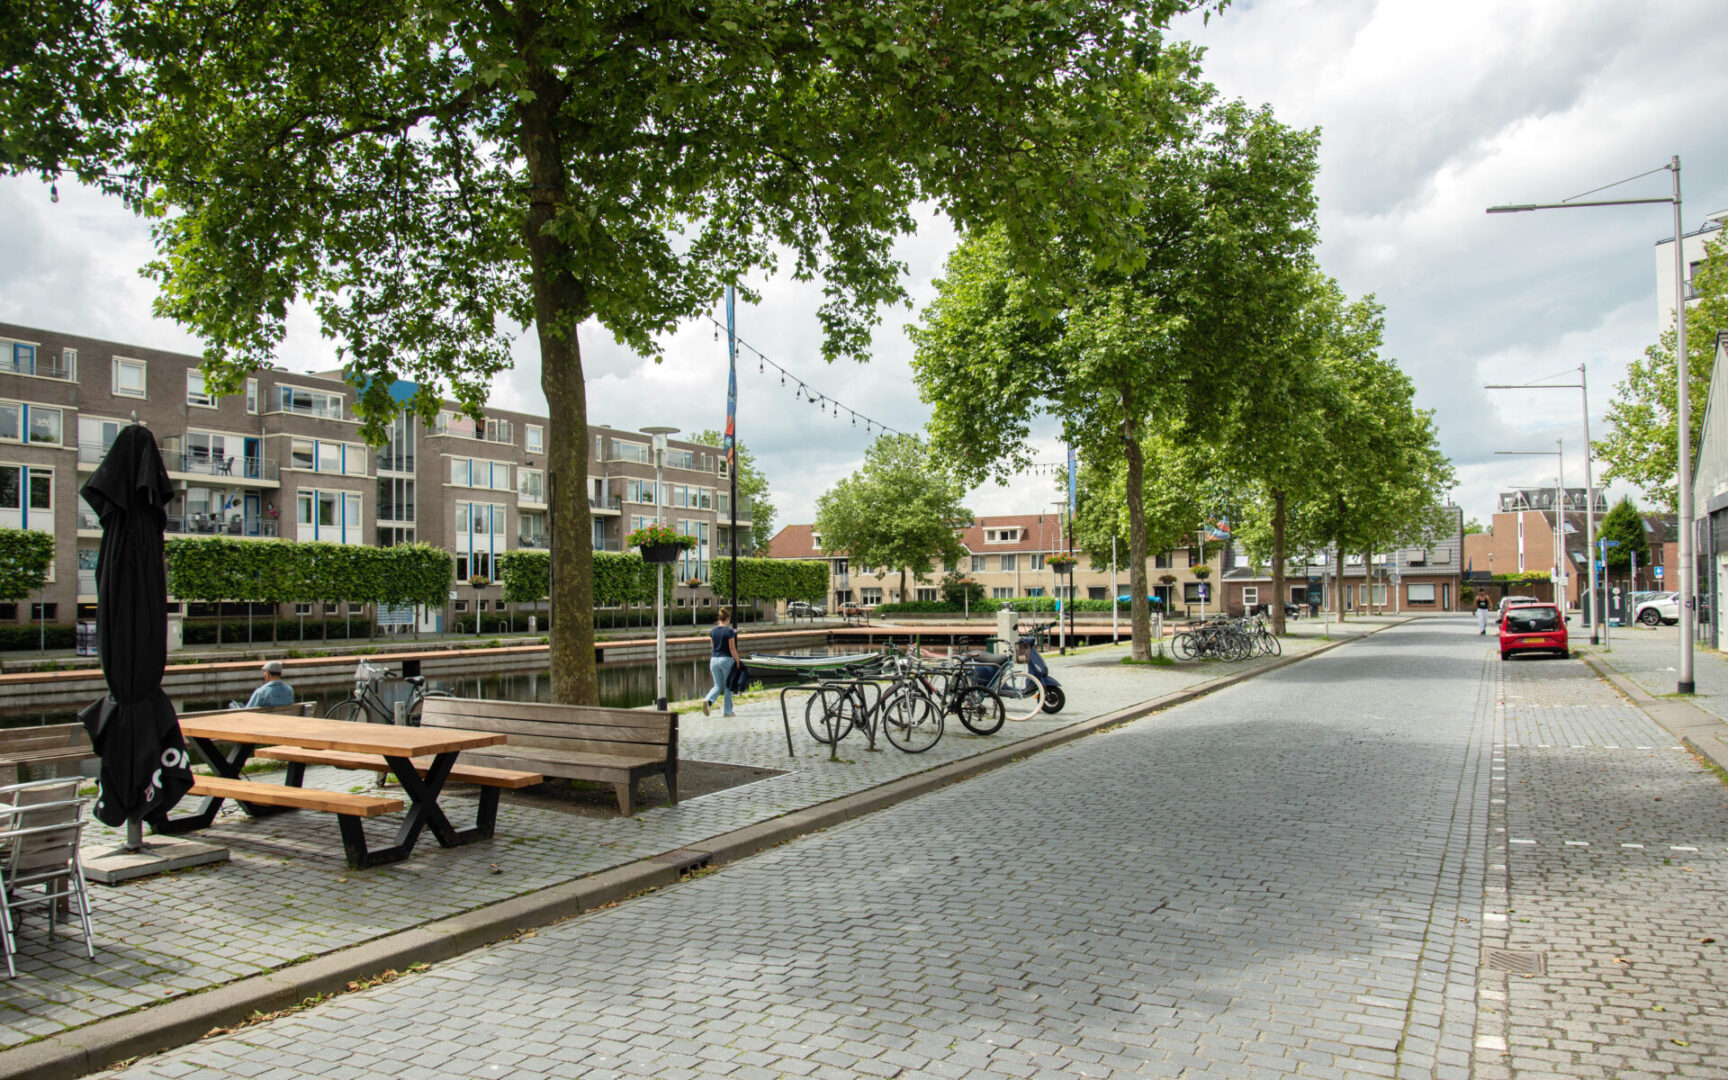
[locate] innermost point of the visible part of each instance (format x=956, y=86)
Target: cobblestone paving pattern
x=1283, y=878
x=286, y=895
x=1610, y=862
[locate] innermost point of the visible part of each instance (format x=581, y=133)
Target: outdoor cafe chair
x=39, y=865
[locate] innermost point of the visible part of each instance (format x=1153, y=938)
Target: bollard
x=401, y=713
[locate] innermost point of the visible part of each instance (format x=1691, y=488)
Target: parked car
x=1658, y=608
x=1509, y=601
x=855, y=610
x=800, y=609
x=1533, y=627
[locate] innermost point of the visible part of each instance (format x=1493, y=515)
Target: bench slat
x=341, y=759
x=467, y=712
x=334, y=802
x=559, y=733
x=45, y=735
x=552, y=758
x=47, y=756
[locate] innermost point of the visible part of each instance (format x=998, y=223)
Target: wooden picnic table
x=422, y=782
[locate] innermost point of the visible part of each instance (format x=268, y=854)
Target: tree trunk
x=1368, y=576
x=902, y=584
x=1338, y=578
x=1139, y=611
x=560, y=302
x=1277, y=607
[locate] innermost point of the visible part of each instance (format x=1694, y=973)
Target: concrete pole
x=1688, y=589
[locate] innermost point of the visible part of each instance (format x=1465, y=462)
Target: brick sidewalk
x=287, y=896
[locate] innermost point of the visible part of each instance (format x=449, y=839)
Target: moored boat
x=807, y=667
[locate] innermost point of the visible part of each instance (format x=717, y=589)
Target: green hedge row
x=200, y=632
x=29, y=638
x=287, y=571
x=623, y=578
x=1046, y=604
x=25, y=558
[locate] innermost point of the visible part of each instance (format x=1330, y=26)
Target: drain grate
x=1518, y=963
x=683, y=860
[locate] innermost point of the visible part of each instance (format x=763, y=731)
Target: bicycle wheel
x=1183, y=646
x=830, y=714
x=1022, y=695
x=1272, y=646
x=980, y=710
x=912, y=722
x=346, y=710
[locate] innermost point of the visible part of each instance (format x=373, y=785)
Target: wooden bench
x=571, y=742
x=48, y=744
x=348, y=807
x=342, y=759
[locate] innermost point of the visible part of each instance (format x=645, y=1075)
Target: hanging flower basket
x=1060, y=563
x=479, y=581
x=659, y=544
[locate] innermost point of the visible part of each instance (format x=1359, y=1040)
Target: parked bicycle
x=951, y=688
x=366, y=702
x=839, y=707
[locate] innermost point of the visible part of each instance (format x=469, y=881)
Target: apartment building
x=1410, y=579
x=284, y=459
x=1521, y=539
x=1008, y=556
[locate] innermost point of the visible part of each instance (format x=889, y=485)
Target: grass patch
x=1156, y=661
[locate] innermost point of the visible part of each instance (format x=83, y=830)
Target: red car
x=1533, y=628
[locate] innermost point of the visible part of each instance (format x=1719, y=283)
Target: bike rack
x=858, y=685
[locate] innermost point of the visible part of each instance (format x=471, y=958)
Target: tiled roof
x=1038, y=532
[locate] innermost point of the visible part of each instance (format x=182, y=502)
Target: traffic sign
x=1658, y=572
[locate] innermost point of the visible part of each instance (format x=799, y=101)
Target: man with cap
x=274, y=691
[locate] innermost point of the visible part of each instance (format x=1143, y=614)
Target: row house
x=284, y=458
x=1411, y=579
x=1521, y=539
x=1008, y=556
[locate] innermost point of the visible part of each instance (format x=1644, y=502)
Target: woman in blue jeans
x=720, y=664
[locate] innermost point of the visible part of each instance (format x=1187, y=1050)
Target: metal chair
x=40, y=831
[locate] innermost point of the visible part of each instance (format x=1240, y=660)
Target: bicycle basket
x=368, y=676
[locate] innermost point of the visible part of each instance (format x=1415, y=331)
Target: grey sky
x=1429, y=113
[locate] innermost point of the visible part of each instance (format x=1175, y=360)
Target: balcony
x=604, y=504
x=43, y=367
x=86, y=583
x=533, y=543
x=233, y=524
x=607, y=543
x=88, y=521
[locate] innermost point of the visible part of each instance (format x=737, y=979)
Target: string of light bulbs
x=825, y=402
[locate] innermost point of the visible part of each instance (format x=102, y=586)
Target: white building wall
x=1693, y=247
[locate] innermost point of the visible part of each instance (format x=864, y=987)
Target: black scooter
x=1054, y=698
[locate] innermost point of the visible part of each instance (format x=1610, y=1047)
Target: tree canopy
x=1166, y=340
x=1642, y=446
x=427, y=175
x=902, y=510
x=1623, y=527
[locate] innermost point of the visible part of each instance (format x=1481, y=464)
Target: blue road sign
x=1658, y=572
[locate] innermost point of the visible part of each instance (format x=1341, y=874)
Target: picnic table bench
x=422, y=762
x=571, y=742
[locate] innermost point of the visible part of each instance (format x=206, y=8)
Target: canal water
x=626, y=686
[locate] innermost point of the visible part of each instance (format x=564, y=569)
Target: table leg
x=230, y=766
x=423, y=812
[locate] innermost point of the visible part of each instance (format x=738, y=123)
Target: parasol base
x=161, y=855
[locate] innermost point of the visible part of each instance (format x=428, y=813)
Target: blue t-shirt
x=274, y=692
x=722, y=635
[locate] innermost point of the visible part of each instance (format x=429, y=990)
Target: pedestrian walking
x=1482, y=609
x=720, y=664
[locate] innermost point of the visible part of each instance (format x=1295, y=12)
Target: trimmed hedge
x=623, y=578
x=218, y=568
x=26, y=555
x=24, y=638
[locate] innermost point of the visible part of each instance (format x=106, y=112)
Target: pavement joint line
x=186, y=1019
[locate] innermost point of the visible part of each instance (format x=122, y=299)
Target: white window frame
x=1422, y=592
x=523, y=474
x=201, y=398
x=1250, y=596
x=143, y=367
x=252, y=396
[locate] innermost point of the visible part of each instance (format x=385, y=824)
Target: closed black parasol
x=145, y=769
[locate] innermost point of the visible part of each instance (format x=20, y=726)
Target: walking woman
x=1483, y=607
x=721, y=663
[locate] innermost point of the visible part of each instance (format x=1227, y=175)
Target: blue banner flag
x=1072, y=469
x=729, y=443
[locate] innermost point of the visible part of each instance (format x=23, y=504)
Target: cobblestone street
x=1402, y=858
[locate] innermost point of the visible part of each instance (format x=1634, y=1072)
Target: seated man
x=273, y=692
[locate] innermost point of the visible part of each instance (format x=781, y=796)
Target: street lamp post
x=1597, y=600
x=1683, y=410
x=659, y=434
x=1559, y=510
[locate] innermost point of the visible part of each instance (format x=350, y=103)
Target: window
x=1193, y=556
x=948, y=566
x=978, y=564
x=639, y=491
x=18, y=356
x=1000, y=593
x=195, y=392
x=1097, y=592
x=927, y=594
x=329, y=608
x=1001, y=536
x=536, y=437
x=870, y=596
x=1420, y=593
x=44, y=424
x=1417, y=557
x=44, y=612
x=11, y=422
x=302, y=609
x=680, y=459
x=395, y=498
x=1163, y=559
x=1038, y=560
x=498, y=431
x=1035, y=591
x=459, y=605
x=531, y=485
x=252, y=395
x=128, y=378
x=329, y=457
x=304, y=402
x=303, y=454
x=41, y=490
x=1008, y=563
x=9, y=612
x=1250, y=596
x=1440, y=556
x=1191, y=592
x=461, y=470
x=628, y=451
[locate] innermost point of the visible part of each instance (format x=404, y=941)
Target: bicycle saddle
x=415, y=680
x=992, y=658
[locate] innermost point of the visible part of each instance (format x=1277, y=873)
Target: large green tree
x=1623, y=528
x=903, y=510
x=1642, y=446
x=752, y=493
x=426, y=175
x=1162, y=340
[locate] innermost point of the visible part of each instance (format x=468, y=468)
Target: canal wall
x=239, y=677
